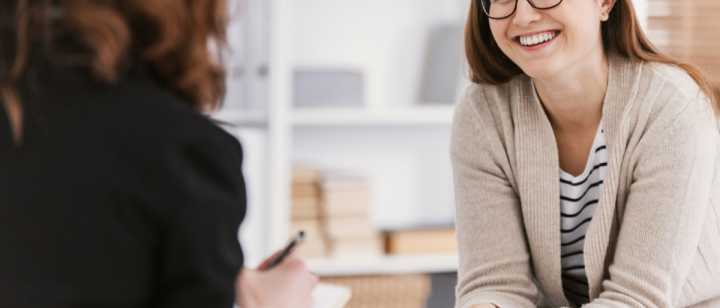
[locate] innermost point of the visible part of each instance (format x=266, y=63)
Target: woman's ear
x=606, y=7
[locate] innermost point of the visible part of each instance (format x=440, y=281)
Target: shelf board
x=242, y=118
x=383, y=265
x=409, y=116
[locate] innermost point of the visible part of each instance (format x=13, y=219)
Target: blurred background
x=344, y=109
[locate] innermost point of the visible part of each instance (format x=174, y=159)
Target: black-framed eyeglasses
x=501, y=9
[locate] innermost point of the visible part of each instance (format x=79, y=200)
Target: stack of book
x=346, y=201
x=333, y=208
x=306, y=212
x=421, y=240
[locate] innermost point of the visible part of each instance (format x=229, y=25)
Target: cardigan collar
x=539, y=187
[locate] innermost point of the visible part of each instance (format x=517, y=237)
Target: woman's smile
x=533, y=42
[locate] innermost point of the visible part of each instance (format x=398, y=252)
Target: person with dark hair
x=116, y=190
x=586, y=163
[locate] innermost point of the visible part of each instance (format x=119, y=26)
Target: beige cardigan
x=655, y=237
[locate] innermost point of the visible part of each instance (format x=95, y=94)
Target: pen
x=279, y=257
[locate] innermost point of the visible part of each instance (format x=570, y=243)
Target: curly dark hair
x=173, y=39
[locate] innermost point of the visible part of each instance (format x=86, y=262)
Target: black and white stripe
x=579, y=196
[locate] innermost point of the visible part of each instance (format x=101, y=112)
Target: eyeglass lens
x=499, y=9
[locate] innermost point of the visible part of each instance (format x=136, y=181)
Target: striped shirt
x=579, y=195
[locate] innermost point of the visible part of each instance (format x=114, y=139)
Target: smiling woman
x=621, y=34
x=591, y=154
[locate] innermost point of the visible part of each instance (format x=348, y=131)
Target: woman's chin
x=540, y=70
x=537, y=73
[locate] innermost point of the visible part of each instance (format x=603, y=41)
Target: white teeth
x=537, y=38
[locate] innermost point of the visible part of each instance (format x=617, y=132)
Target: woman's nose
x=525, y=14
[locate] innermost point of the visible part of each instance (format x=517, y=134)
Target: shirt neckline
x=589, y=164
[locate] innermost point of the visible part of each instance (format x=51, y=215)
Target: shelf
x=242, y=118
x=384, y=265
x=409, y=116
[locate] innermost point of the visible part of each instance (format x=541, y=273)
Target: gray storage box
x=328, y=88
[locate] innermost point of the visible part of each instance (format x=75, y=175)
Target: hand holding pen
x=281, y=255
x=281, y=281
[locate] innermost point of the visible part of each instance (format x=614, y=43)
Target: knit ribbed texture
x=653, y=240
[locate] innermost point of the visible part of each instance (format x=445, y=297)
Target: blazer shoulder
x=161, y=116
x=143, y=123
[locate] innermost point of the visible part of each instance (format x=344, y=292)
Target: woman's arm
x=662, y=222
x=197, y=187
x=494, y=261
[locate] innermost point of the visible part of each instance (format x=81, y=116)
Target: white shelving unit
x=415, y=116
x=247, y=119
x=399, y=143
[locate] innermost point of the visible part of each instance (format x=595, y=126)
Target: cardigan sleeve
x=660, y=230
x=494, y=260
x=200, y=189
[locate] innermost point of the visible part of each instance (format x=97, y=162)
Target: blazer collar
x=539, y=187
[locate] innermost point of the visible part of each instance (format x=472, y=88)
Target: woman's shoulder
x=666, y=99
x=154, y=129
x=133, y=109
x=668, y=93
x=484, y=118
x=155, y=115
x=673, y=78
x=491, y=104
x=136, y=119
x=495, y=95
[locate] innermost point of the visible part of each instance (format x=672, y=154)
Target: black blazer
x=120, y=196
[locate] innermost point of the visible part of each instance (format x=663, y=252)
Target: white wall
x=642, y=11
x=253, y=231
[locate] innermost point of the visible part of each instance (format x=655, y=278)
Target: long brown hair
x=621, y=35
x=170, y=38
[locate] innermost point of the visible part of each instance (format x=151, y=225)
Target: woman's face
x=545, y=43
